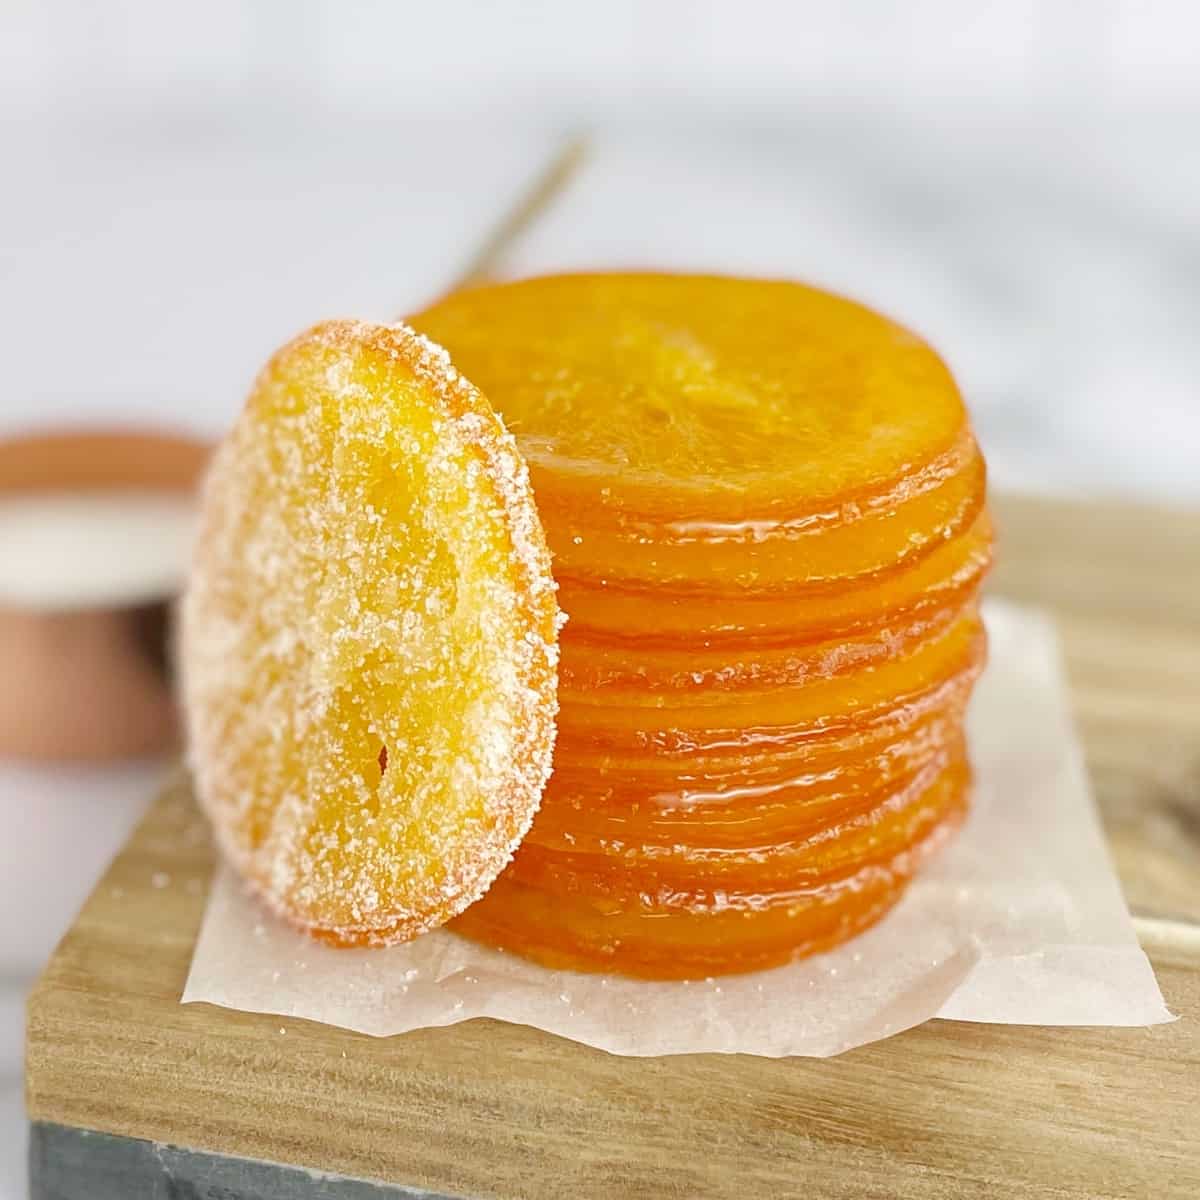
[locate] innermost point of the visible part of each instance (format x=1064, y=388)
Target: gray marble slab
x=66, y=1163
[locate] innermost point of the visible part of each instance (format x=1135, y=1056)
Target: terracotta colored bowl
x=90, y=683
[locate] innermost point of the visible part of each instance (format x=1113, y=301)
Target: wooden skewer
x=548, y=185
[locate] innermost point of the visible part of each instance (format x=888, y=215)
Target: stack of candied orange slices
x=766, y=510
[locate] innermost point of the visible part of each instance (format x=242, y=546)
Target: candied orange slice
x=873, y=544
x=677, y=398
x=679, y=778
x=676, y=426
x=669, y=758
x=685, y=614
x=767, y=513
x=824, y=701
x=369, y=638
x=586, y=811
x=720, y=932
x=687, y=872
x=621, y=672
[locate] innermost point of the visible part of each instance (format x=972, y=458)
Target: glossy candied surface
x=369, y=638
x=823, y=701
x=586, y=811
x=750, y=759
x=611, y=671
x=676, y=397
x=717, y=933
x=682, y=853
x=690, y=872
x=741, y=745
x=767, y=513
x=870, y=544
x=692, y=614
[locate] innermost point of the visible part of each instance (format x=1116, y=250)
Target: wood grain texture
x=1124, y=582
x=487, y=1109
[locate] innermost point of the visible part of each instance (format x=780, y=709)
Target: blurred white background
x=186, y=186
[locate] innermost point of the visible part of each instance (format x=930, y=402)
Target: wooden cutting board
x=206, y=1102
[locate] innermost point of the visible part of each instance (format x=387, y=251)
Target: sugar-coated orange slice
x=369, y=638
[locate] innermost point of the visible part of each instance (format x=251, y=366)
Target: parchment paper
x=1021, y=920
